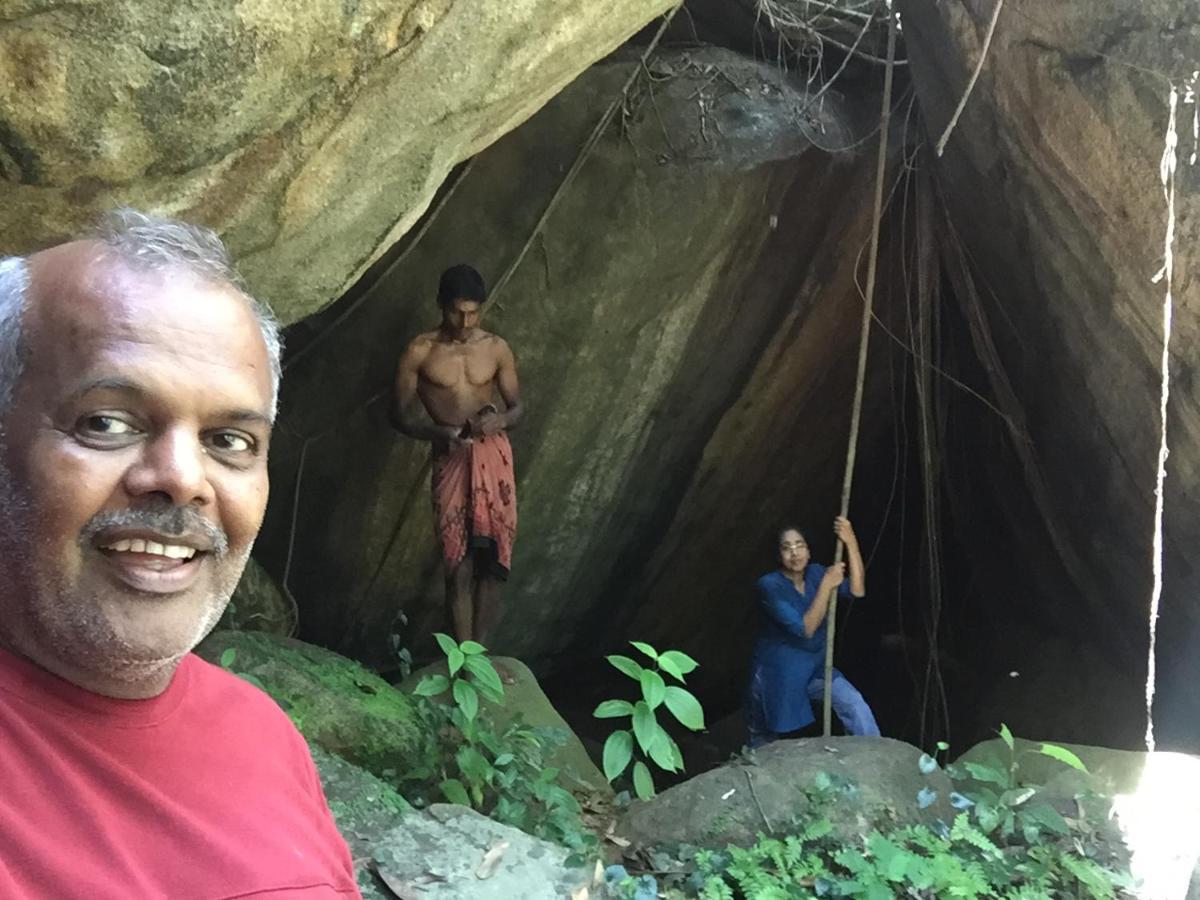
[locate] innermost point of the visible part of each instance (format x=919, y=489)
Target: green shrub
x=1005, y=842
x=645, y=733
x=464, y=759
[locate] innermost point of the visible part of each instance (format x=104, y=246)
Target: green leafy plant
x=1006, y=807
x=500, y=772
x=1004, y=842
x=645, y=733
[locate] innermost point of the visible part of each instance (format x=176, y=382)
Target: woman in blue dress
x=788, y=668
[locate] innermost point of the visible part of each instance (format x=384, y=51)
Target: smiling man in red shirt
x=138, y=384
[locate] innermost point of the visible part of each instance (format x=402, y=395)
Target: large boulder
x=689, y=309
x=310, y=138
x=336, y=703
x=365, y=808
x=876, y=780
x=453, y=853
x=1052, y=181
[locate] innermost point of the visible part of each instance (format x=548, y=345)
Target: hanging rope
x=962, y=103
x=864, y=338
x=581, y=158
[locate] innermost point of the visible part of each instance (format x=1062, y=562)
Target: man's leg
x=488, y=610
x=489, y=607
x=459, y=602
x=852, y=710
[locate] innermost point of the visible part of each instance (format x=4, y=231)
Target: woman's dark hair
x=786, y=528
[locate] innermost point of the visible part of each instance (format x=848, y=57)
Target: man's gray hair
x=148, y=243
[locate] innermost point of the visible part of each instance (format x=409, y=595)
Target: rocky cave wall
x=310, y=138
x=1052, y=181
x=686, y=331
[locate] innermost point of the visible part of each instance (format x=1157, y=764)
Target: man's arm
x=510, y=393
x=858, y=572
x=405, y=410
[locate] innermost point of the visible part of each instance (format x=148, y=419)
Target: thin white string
x=1166, y=273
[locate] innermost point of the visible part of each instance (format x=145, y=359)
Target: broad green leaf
x=666, y=665
x=645, y=727
x=987, y=817
x=943, y=746
x=645, y=648
x=676, y=663
x=626, y=665
x=1006, y=735
x=456, y=658
x=1047, y=817
x=684, y=707
x=446, y=642
x=613, y=709
x=676, y=754
x=666, y=754
x=472, y=648
x=228, y=657
x=653, y=688
x=466, y=698
x=618, y=751
x=473, y=764
x=1063, y=755
x=643, y=783
x=486, y=679
x=432, y=685
x=453, y=790
x=988, y=774
x=503, y=759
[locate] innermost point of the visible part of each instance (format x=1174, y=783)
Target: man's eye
x=105, y=425
x=232, y=442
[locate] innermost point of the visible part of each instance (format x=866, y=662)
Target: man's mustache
x=165, y=518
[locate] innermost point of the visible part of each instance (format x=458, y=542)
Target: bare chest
x=452, y=366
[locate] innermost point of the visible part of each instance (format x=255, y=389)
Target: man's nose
x=174, y=465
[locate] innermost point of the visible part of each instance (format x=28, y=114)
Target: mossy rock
x=365, y=808
x=335, y=702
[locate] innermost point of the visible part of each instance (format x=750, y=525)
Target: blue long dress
x=785, y=660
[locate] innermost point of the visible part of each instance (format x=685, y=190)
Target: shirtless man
x=454, y=372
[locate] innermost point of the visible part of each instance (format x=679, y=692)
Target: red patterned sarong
x=475, y=503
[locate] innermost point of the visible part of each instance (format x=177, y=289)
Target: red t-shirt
x=206, y=791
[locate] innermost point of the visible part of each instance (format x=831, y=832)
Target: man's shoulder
x=490, y=341
x=214, y=685
x=422, y=343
